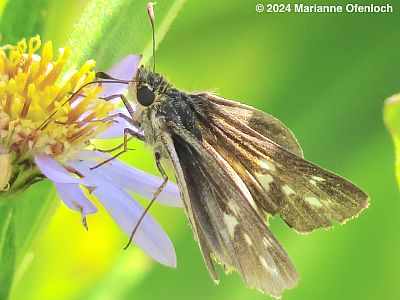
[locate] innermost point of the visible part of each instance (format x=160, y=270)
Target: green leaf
x=7, y=250
x=391, y=115
x=33, y=211
x=109, y=32
x=21, y=222
x=23, y=19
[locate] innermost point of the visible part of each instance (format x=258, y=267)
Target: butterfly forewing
x=261, y=125
x=304, y=195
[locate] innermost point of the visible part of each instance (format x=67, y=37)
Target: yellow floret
x=31, y=91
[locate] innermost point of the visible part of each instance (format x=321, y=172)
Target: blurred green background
x=326, y=77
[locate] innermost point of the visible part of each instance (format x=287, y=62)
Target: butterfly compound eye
x=145, y=96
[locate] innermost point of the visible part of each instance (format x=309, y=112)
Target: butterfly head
x=148, y=87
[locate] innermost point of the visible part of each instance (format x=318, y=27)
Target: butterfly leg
x=127, y=133
x=156, y=194
x=114, y=148
x=127, y=105
x=130, y=119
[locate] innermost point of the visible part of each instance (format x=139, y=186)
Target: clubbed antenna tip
x=150, y=12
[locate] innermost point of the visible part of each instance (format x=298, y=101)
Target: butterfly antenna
x=150, y=12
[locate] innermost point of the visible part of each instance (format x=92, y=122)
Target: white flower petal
x=52, y=170
x=132, y=179
x=115, y=131
x=124, y=69
x=75, y=199
x=125, y=211
x=140, y=182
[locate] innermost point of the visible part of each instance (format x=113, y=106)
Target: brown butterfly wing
x=269, y=160
x=262, y=123
x=227, y=226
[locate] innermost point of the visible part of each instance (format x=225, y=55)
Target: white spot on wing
x=266, y=242
x=313, y=182
x=267, y=165
x=316, y=178
x=231, y=223
x=265, y=180
x=314, y=201
x=248, y=239
x=264, y=262
x=288, y=190
x=273, y=270
x=233, y=207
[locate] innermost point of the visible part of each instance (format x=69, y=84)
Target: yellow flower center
x=31, y=91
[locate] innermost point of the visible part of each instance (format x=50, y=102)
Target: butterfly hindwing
x=228, y=227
